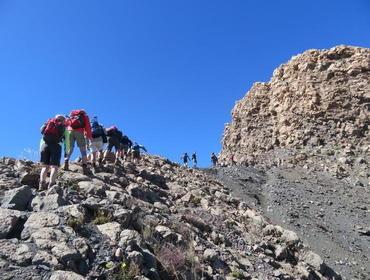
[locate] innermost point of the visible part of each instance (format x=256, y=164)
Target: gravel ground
x=330, y=215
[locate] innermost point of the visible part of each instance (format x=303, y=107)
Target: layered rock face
x=154, y=220
x=314, y=112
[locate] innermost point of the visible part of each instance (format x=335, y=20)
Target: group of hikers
x=77, y=128
x=194, y=159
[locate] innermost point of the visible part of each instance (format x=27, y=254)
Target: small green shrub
x=74, y=222
x=237, y=274
x=126, y=272
x=102, y=218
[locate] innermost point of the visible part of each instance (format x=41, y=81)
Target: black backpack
x=97, y=130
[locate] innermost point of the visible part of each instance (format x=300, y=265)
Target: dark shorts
x=51, y=154
x=124, y=147
x=113, y=142
x=136, y=154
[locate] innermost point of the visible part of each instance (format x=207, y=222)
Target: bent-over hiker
x=51, y=149
x=126, y=145
x=78, y=130
x=114, y=141
x=136, y=151
x=99, y=138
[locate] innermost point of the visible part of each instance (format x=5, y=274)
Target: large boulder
x=18, y=199
x=9, y=220
x=112, y=230
x=39, y=220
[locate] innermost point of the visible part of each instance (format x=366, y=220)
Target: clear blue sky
x=167, y=72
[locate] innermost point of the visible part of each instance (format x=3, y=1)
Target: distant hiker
x=136, y=151
x=194, y=159
x=114, y=141
x=214, y=159
x=185, y=159
x=78, y=130
x=99, y=138
x=126, y=145
x=51, y=149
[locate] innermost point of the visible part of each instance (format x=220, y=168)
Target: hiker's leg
x=44, y=173
x=81, y=143
x=45, y=156
x=69, y=144
x=109, y=148
x=94, y=152
x=53, y=175
x=56, y=155
x=83, y=151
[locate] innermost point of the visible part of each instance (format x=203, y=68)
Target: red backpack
x=53, y=128
x=77, y=119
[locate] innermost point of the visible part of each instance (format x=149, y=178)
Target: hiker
x=135, y=149
x=78, y=130
x=99, y=138
x=51, y=149
x=126, y=145
x=194, y=159
x=185, y=158
x=214, y=159
x=114, y=141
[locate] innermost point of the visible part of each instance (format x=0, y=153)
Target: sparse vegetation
x=102, y=217
x=195, y=200
x=237, y=274
x=172, y=258
x=126, y=271
x=74, y=222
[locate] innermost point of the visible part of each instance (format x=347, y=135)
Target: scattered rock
x=18, y=198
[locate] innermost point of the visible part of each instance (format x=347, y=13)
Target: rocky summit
x=153, y=220
x=314, y=113
x=298, y=149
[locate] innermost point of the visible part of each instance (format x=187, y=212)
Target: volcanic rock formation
x=314, y=113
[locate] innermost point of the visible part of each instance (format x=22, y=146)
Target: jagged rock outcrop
x=154, y=220
x=314, y=112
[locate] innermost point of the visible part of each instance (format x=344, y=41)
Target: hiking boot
x=42, y=186
x=66, y=165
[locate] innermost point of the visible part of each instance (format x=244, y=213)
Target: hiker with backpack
x=185, y=158
x=99, y=138
x=51, y=150
x=126, y=145
x=194, y=159
x=135, y=149
x=78, y=130
x=114, y=136
x=214, y=159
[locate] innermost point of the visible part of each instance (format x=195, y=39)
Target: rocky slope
x=154, y=220
x=314, y=113
x=326, y=212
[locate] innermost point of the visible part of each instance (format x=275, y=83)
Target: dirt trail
x=331, y=215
